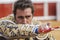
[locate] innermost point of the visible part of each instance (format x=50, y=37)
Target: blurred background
x=45, y=10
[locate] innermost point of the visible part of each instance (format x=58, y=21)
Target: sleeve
x=3, y=26
x=2, y=37
x=1, y=29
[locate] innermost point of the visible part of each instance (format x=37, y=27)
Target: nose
x=24, y=21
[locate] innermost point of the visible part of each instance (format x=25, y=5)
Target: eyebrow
x=24, y=16
x=21, y=17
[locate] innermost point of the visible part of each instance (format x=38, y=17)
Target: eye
x=20, y=17
x=28, y=16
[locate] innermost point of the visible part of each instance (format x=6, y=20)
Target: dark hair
x=22, y=4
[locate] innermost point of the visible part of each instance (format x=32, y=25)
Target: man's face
x=24, y=16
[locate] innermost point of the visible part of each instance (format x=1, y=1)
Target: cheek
x=18, y=20
x=30, y=20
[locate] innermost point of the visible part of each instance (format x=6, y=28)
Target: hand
x=44, y=28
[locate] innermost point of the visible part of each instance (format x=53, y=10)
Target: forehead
x=23, y=12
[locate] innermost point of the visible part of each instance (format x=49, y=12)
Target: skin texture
x=24, y=16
